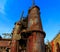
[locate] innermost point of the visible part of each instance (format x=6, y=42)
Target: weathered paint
x=14, y=46
x=35, y=42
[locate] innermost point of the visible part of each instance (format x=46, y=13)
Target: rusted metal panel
x=35, y=42
x=14, y=46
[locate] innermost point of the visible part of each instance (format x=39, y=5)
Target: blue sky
x=10, y=12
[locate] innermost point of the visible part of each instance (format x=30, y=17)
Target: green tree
x=7, y=35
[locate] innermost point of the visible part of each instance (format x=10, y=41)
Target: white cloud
x=2, y=10
x=2, y=6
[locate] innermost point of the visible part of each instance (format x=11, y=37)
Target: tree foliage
x=7, y=35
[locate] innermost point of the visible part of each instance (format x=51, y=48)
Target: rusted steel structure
x=35, y=41
x=28, y=34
